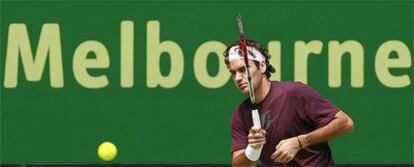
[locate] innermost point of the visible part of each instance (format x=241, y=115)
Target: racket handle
x=256, y=119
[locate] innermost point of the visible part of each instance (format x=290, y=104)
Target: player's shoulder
x=241, y=107
x=290, y=87
x=244, y=104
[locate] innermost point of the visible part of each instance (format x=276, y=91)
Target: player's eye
x=242, y=70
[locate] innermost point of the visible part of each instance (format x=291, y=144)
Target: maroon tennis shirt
x=288, y=110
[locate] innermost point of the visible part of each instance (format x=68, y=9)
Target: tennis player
x=296, y=122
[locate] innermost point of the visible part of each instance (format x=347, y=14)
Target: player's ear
x=263, y=67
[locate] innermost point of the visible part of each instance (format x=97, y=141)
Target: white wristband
x=252, y=154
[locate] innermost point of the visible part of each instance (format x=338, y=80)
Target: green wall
x=189, y=122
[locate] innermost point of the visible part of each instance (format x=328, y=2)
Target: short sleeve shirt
x=288, y=110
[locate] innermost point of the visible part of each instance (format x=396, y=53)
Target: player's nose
x=238, y=77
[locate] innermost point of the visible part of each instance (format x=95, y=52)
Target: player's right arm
x=256, y=138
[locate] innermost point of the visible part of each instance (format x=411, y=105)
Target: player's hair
x=269, y=68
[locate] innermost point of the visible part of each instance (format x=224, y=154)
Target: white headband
x=252, y=54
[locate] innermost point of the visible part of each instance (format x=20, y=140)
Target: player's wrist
x=302, y=139
x=299, y=143
x=252, y=154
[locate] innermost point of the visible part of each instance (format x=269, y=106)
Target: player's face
x=239, y=76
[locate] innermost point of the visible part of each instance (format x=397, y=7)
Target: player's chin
x=244, y=90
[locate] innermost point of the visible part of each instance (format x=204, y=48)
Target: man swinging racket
x=282, y=123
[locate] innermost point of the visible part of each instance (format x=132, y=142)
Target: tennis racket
x=243, y=47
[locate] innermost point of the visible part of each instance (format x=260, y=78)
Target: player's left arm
x=340, y=125
x=286, y=150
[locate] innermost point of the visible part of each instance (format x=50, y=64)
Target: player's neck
x=263, y=90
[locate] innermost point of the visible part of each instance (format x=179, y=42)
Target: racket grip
x=256, y=119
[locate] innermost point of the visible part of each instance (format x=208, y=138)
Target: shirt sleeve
x=238, y=134
x=317, y=110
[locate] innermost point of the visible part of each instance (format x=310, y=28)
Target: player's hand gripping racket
x=243, y=47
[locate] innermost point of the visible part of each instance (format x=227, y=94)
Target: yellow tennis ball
x=107, y=151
